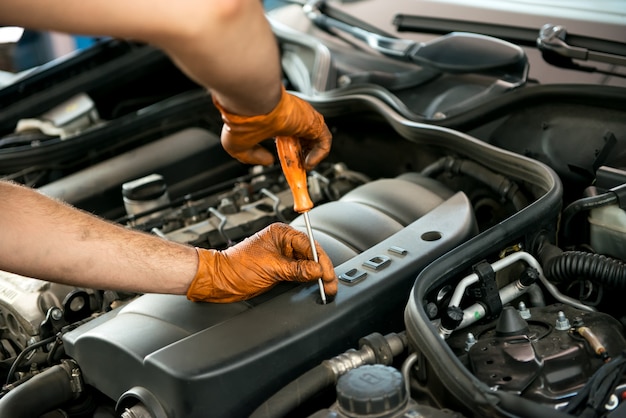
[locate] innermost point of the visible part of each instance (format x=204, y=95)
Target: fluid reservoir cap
x=146, y=188
x=371, y=390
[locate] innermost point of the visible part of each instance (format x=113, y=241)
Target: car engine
x=475, y=216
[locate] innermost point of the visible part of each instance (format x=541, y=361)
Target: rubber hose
x=584, y=204
x=42, y=393
x=295, y=393
x=535, y=295
x=546, y=251
x=559, y=265
x=498, y=183
x=572, y=264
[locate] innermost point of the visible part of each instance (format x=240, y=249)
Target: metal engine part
x=544, y=357
x=219, y=219
x=24, y=302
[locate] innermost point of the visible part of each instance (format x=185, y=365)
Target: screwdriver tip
x=322, y=293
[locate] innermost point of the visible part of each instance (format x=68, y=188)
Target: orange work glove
x=277, y=253
x=292, y=116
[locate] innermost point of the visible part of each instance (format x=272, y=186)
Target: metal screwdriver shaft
x=309, y=232
x=290, y=155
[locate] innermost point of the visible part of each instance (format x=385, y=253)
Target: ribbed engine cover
x=185, y=359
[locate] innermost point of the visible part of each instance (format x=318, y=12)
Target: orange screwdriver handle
x=290, y=156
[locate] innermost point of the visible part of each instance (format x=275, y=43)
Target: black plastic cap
x=511, y=323
x=529, y=276
x=452, y=317
x=371, y=390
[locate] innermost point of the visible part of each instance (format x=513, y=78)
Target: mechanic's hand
x=256, y=264
x=292, y=116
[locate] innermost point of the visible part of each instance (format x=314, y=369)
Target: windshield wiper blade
x=441, y=26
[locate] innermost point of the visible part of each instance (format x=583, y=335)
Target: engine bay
x=476, y=221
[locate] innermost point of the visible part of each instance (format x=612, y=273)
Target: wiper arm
x=455, y=52
x=556, y=51
x=395, y=47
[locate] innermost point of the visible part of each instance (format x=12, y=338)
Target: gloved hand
x=292, y=116
x=277, y=253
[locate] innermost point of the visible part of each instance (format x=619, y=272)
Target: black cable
x=23, y=354
x=590, y=400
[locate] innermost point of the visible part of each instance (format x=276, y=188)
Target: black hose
x=559, y=265
x=42, y=393
x=497, y=182
x=375, y=348
x=295, y=393
x=584, y=204
x=573, y=264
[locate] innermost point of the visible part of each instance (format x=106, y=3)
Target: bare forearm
x=49, y=240
x=225, y=45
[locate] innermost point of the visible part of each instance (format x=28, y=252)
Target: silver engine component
x=69, y=118
x=24, y=303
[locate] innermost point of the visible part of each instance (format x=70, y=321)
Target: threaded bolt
x=562, y=323
x=524, y=312
x=469, y=341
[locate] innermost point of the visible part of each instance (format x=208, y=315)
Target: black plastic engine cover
x=189, y=360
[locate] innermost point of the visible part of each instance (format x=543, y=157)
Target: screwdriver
x=291, y=159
